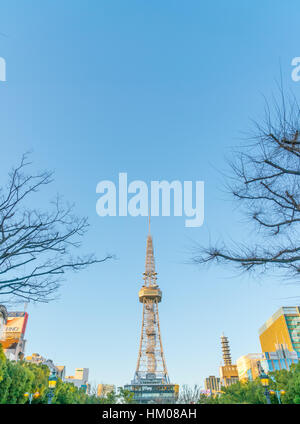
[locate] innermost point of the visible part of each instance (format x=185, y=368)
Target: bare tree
x=36, y=246
x=93, y=389
x=265, y=179
x=189, y=394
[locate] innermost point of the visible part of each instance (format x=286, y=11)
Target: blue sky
x=160, y=90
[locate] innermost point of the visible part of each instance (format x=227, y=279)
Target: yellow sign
x=52, y=384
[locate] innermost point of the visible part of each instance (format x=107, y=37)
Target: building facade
x=104, y=389
x=228, y=372
x=80, y=379
x=212, y=384
x=281, y=359
x=38, y=359
x=247, y=366
x=153, y=392
x=283, y=328
x=3, y=320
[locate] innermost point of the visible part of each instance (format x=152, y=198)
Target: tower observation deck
x=151, y=383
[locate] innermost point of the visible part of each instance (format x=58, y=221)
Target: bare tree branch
x=266, y=180
x=36, y=247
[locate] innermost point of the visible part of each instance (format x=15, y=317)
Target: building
x=82, y=374
x=13, y=335
x=280, y=344
x=228, y=371
x=3, y=320
x=212, y=384
x=61, y=371
x=247, y=366
x=104, y=389
x=38, y=359
x=80, y=379
x=35, y=358
x=151, y=383
x=283, y=328
x=281, y=359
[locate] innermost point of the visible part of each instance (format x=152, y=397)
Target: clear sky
x=160, y=90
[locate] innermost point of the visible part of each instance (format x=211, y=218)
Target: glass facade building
x=153, y=392
x=281, y=359
x=283, y=328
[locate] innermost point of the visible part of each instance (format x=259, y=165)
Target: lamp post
x=31, y=396
x=278, y=394
x=265, y=383
x=51, y=384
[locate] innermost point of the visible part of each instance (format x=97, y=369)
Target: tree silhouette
x=266, y=181
x=36, y=246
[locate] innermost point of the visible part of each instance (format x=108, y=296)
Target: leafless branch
x=36, y=246
x=266, y=180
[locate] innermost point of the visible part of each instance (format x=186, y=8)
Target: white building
x=3, y=320
x=80, y=379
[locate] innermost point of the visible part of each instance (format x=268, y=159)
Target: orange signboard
x=14, y=329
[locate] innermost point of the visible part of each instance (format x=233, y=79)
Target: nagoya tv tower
x=151, y=383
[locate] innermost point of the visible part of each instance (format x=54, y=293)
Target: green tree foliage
x=238, y=393
x=67, y=393
x=18, y=378
x=110, y=398
x=289, y=382
x=253, y=392
x=125, y=396
x=204, y=399
x=249, y=392
x=40, y=381
x=122, y=396
x=5, y=379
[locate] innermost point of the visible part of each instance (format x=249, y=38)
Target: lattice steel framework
x=151, y=364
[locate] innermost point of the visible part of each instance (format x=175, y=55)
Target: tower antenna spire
x=149, y=216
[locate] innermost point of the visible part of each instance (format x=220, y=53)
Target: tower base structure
x=151, y=390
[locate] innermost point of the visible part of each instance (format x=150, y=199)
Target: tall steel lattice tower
x=151, y=364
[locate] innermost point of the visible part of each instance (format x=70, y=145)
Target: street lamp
x=278, y=393
x=51, y=384
x=30, y=396
x=264, y=379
